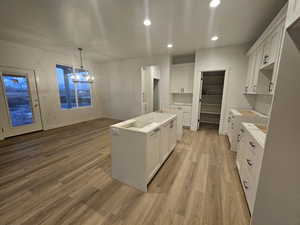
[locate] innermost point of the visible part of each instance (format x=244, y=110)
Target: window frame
x=75, y=85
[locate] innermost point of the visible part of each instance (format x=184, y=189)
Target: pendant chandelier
x=81, y=74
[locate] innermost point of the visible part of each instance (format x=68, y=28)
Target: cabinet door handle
x=251, y=144
x=270, y=86
x=249, y=162
x=266, y=59
x=242, y=130
x=245, y=183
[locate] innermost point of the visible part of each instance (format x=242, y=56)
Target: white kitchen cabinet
x=235, y=118
x=271, y=47
x=164, y=142
x=293, y=12
x=153, y=153
x=249, y=159
x=251, y=71
x=140, y=146
x=172, y=135
x=255, y=75
x=186, y=111
x=264, y=58
x=182, y=78
x=279, y=42
x=187, y=117
x=179, y=121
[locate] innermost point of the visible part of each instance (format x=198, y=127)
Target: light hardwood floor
x=62, y=176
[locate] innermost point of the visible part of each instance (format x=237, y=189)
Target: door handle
x=270, y=86
x=266, y=59
x=249, y=162
x=245, y=183
x=251, y=144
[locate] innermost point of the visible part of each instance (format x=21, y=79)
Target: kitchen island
x=140, y=146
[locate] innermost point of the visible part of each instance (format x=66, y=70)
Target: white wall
x=43, y=62
x=121, y=85
x=234, y=59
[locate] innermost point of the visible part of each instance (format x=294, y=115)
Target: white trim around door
x=19, y=102
x=197, y=94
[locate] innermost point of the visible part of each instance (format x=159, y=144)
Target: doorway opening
x=150, y=93
x=155, y=95
x=211, y=96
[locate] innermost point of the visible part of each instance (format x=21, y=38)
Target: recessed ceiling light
x=214, y=38
x=147, y=22
x=170, y=45
x=214, y=3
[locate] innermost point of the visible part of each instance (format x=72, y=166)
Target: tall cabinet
x=181, y=86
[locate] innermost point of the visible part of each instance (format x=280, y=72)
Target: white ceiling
x=112, y=29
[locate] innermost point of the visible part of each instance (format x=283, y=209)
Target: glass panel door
x=19, y=104
x=18, y=100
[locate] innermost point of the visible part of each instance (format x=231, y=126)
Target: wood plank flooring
x=62, y=176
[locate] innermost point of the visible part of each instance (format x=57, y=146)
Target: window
x=74, y=88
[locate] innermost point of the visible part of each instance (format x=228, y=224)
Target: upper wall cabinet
x=271, y=47
x=293, y=12
x=264, y=58
x=182, y=77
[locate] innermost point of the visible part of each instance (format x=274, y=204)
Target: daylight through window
x=74, y=88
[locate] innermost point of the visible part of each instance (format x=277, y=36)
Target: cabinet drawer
x=187, y=118
x=250, y=163
x=248, y=186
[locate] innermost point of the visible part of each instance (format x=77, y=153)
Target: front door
x=19, y=103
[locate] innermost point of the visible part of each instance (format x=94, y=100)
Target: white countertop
x=247, y=112
x=181, y=104
x=256, y=133
x=145, y=123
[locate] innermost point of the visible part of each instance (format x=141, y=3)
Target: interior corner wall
x=121, y=85
x=235, y=59
x=43, y=62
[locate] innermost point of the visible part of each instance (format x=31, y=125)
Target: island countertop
x=145, y=123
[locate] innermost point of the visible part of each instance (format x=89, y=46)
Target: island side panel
x=128, y=157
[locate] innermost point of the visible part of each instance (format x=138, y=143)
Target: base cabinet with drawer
x=186, y=111
x=140, y=146
x=235, y=118
x=249, y=159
